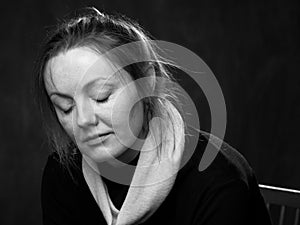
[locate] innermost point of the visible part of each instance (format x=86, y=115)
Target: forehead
x=70, y=71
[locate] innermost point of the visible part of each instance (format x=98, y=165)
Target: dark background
x=251, y=46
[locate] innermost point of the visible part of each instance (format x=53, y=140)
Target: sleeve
x=56, y=205
x=228, y=204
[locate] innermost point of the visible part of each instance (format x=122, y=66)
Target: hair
x=101, y=32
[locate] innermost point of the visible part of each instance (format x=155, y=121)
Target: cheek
x=127, y=113
x=136, y=118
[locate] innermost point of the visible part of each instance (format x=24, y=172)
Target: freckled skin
x=78, y=110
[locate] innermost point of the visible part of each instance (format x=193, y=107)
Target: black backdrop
x=251, y=46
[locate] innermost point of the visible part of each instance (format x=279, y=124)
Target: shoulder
x=57, y=177
x=228, y=172
x=226, y=190
x=54, y=166
x=63, y=194
x=227, y=163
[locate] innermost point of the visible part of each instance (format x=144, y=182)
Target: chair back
x=284, y=199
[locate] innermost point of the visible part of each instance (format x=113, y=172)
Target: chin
x=102, y=154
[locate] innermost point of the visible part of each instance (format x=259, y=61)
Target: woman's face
x=86, y=91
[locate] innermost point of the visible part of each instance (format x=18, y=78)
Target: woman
x=121, y=145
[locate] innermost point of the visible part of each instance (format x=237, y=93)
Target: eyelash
x=102, y=100
x=66, y=112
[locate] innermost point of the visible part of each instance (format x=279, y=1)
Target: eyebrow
x=106, y=83
x=90, y=83
x=61, y=95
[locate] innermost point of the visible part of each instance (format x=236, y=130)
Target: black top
x=225, y=193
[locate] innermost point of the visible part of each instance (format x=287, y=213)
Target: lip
x=97, y=139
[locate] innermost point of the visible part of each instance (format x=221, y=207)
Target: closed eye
x=68, y=111
x=64, y=111
x=62, y=102
x=102, y=100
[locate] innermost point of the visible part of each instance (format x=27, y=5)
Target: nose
x=85, y=114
